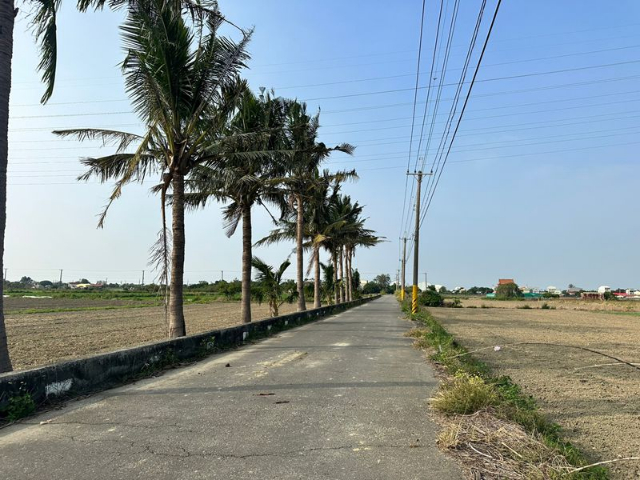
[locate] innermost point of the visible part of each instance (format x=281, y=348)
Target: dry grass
x=491, y=448
x=464, y=394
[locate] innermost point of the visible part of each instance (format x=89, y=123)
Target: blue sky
x=540, y=186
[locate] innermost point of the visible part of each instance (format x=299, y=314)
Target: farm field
x=597, y=403
x=558, y=303
x=37, y=339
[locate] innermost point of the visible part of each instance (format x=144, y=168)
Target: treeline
x=208, y=138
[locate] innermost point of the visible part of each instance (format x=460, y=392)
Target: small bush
x=20, y=407
x=546, y=306
x=456, y=303
x=524, y=307
x=465, y=394
x=485, y=306
x=430, y=298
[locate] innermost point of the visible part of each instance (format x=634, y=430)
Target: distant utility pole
x=426, y=285
x=222, y=274
x=143, y=278
x=5, y=274
x=416, y=245
x=60, y=277
x=404, y=266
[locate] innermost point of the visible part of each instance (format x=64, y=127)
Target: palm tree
x=271, y=284
x=308, y=154
x=319, y=222
x=183, y=80
x=44, y=24
x=256, y=127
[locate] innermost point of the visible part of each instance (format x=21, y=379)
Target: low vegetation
x=472, y=389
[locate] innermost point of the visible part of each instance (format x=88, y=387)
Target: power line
x=464, y=106
x=415, y=100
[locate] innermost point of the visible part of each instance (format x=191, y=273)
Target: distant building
x=505, y=281
x=604, y=289
x=554, y=290
x=592, y=296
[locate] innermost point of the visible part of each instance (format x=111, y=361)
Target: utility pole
x=426, y=285
x=404, y=266
x=60, y=277
x=416, y=245
x=222, y=274
x=5, y=274
x=143, y=278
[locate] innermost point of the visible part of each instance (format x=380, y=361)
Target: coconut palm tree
x=43, y=21
x=318, y=221
x=183, y=82
x=271, y=284
x=308, y=155
x=44, y=25
x=257, y=127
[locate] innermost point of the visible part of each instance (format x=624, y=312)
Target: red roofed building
x=505, y=281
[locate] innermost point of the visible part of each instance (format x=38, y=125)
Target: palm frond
x=44, y=26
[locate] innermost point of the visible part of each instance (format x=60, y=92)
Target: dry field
x=596, y=401
x=558, y=303
x=44, y=338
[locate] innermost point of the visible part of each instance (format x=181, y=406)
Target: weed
x=546, y=306
x=465, y=394
x=524, y=307
x=20, y=406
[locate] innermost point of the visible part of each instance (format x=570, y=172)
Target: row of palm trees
x=209, y=138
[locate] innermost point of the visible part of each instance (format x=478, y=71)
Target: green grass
x=473, y=378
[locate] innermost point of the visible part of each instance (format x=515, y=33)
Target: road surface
x=343, y=398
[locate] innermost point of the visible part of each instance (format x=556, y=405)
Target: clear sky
x=541, y=184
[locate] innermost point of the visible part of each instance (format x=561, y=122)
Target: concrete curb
x=100, y=372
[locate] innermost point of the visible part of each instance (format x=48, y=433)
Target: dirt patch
x=45, y=338
x=597, y=403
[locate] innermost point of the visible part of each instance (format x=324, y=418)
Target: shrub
x=20, y=406
x=465, y=394
x=546, y=306
x=430, y=298
x=524, y=307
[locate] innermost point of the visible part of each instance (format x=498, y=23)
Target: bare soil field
x=25, y=303
x=43, y=338
x=594, y=399
x=557, y=303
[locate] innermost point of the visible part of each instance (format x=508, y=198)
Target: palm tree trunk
x=246, y=264
x=176, y=312
x=349, y=277
x=299, y=258
x=7, y=15
x=334, y=259
x=316, y=279
x=341, y=275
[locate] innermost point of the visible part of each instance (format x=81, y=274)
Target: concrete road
x=343, y=398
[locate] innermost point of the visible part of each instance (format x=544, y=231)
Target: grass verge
x=473, y=389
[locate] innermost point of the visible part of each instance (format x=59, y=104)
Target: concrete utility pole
x=143, y=278
x=416, y=245
x=5, y=274
x=222, y=274
x=404, y=266
x=426, y=285
x=60, y=277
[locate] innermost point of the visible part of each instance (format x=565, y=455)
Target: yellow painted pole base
x=402, y=295
x=414, y=299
